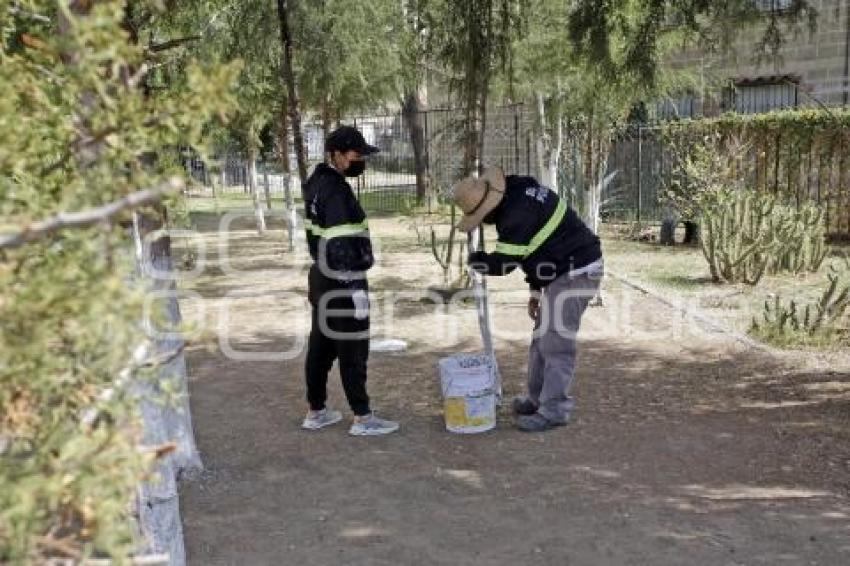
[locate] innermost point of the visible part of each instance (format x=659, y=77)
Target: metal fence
x=389, y=183
x=641, y=162
x=644, y=164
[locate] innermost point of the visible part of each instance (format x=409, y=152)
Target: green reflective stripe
x=338, y=230
x=541, y=236
x=510, y=249
x=546, y=231
x=345, y=230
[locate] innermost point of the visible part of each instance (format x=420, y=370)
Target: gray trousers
x=552, y=355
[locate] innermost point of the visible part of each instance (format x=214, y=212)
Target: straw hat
x=476, y=197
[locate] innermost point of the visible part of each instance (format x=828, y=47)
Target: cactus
x=801, y=235
x=737, y=240
x=746, y=234
x=819, y=318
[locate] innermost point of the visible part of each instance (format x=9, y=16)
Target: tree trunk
x=555, y=156
x=412, y=111
x=267, y=188
x=158, y=505
x=288, y=77
x=251, y=167
x=548, y=149
x=283, y=137
x=543, y=140
x=327, y=120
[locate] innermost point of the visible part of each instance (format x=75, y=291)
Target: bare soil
x=686, y=447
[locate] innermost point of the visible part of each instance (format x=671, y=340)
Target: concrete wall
x=818, y=59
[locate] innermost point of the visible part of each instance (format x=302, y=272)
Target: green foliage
x=746, y=234
x=802, y=125
x=349, y=53
x=473, y=41
x=78, y=129
x=627, y=36
x=819, y=322
x=774, y=153
x=701, y=170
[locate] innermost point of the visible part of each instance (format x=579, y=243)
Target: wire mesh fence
x=389, y=183
x=640, y=162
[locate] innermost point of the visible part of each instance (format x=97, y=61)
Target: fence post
x=427, y=151
x=639, y=173
x=516, y=139
x=223, y=173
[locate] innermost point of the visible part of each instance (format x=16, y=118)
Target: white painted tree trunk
x=290, y=208
x=164, y=422
x=267, y=188
x=550, y=145
x=555, y=156
x=594, y=194
x=543, y=140
x=251, y=167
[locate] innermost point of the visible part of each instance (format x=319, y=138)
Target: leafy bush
x=76, y=133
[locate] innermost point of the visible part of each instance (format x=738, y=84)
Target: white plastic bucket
x=469, y=393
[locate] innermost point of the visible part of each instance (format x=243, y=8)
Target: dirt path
x=685, y=448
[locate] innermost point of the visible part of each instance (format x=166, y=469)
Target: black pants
x=336, y=336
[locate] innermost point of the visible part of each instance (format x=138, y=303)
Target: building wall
x=818, y=60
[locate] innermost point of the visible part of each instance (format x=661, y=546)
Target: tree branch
x=172, y=43
x=90, y=217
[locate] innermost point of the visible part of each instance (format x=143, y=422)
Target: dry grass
x=684, y=271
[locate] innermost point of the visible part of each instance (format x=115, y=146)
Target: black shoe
x=524, y=406
x=536, y=423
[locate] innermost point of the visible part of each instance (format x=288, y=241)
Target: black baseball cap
x=346, y=138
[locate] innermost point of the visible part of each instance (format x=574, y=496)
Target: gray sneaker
x=372, y=426
x=321, y=419
x=536, y=423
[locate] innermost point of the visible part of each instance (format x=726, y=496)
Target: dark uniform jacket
x=337, y=233
x=537, y=232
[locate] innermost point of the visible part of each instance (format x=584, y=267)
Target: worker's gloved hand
x=478, y=262
x=361, y=304
x=533, y=307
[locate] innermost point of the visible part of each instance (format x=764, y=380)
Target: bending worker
x=338, y=239
x=562, y=261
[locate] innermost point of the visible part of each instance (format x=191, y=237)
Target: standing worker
x=562, y=260
x=338, y=239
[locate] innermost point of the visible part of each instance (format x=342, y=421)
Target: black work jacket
x=537, y=232
x=337, y=230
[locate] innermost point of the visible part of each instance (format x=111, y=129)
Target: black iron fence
x=389, y=183
x=640, y=164
x=797, y=169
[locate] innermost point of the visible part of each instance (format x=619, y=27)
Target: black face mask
x=355, y=168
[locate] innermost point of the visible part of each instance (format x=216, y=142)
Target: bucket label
x=479, y=409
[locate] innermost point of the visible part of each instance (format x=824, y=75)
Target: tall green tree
x=350, y=57
x=626, y=36
x=473, y=40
